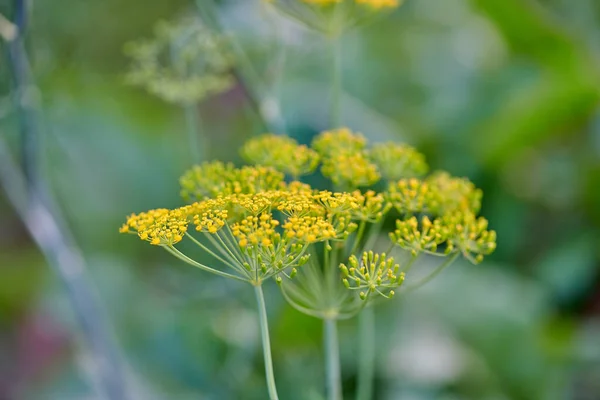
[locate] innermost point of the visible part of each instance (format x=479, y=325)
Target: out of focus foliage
x=506, y=92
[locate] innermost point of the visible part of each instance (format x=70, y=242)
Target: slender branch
x=366, y=355
x=266, y=343
x=67, y=263
x=359, y=235
x=212, y=253
x=332, y=360
x=194, y=263
x=34, y=204
x=265, y=105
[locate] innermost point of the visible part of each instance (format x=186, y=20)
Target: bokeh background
x=505, y=92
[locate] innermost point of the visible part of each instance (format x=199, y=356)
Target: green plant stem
x=266, y=344
x=196, y=264
x=366, y=355
x=193, y=125
x=358, y=238
x=336, y=80
x=266, y=106
x=332, y=360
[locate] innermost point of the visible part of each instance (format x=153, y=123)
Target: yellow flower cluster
x=379, y=4
x=454, y=203
x=423, y=237
x=397, y=161
x=455, y=193
x=342, y=140
x=212, y=179
x=254, y=231
x=282, y=153
x=184, y=63
x=470, y=235
x=159, y=227
x=375, y=4
x=411, y=196
x=372, y=273
x=347, y=170
x=345, y=160
x=309, y=229
x=372, y=206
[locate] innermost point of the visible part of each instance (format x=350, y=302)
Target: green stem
x=332, y=360
x=194, y=263
x=266, y=343
x=435, y=273
x=265, y=105
x=366, y=355
x=336, y=81
x=359, y=235
x=192, y=119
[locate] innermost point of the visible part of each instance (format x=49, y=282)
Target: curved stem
x=366, y=355
x=332, y=360
x=194, y=263
x=212, y=253
x=435, y=273
x=266, y=344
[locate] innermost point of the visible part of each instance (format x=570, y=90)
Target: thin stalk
x=194, y=263
x=266, y=105
x=266, y=343
x=359, y=235
x=198, y=150
x=332, y=360
x=212, y=253
x=336, y=81
x=27, y=192
x=366, y=355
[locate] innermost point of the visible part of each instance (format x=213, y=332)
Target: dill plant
x=261, y=222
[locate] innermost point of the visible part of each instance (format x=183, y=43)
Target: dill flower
x=412, y=196
x=372, y=273
x=397, y=161
x=470, y=235
x=455, y=193
x=420, y=236
x=344, y=160
x=332, y=17
x=282, y=153
x=371, y=206
x=211, y=179
x=334, y=141
x=184, y=63
x=349, y=170
x=259, y=235
x=159, y=227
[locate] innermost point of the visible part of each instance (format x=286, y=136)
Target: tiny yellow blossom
x=410, y=196
x=397, y=161
x=282, y=153
x=372, y=273
x=420, y=236
x=331, y=142
x=470, y=235
x=454, y=194
x=212, y=179
x=159, y=227
x=371, y=206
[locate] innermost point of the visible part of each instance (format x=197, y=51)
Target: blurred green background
x=505, y=92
